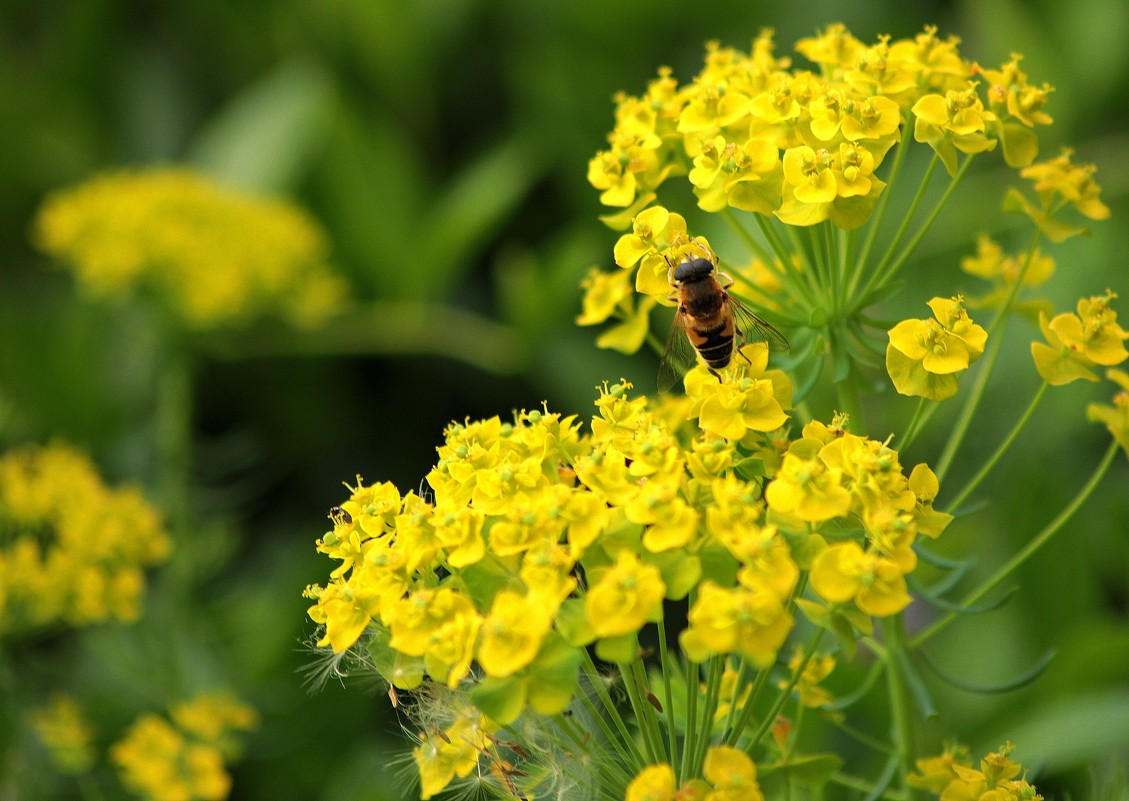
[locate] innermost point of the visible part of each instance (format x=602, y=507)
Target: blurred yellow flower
x=159, y=761
x=75, y=549
x=62, y=728
x=213, y=256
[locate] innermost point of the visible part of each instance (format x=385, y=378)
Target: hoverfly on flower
x=708, y=322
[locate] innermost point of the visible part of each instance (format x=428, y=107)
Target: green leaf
x=1022, y=680
x=484, y=579
x=573, y=624
x=267, y=134
x=680, y=571
x=812, y=771
x=483, y=195
x=620, y=650
x=553, y=676
x=501, y=699
x=1071, y=733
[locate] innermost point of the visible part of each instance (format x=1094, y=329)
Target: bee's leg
x=724, y=279
x=715, y=374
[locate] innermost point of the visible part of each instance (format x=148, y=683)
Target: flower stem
x=1029, y=550
x=786, y=692
x=893, y=633
x=668, y=693
x=995, y=342
x=690, y=745
x=632, y=753
x=713, y=685
x=974, y=482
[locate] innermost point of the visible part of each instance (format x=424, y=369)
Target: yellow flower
x=441, y=626
x=212, y=717
x=844, y=572
x=936, y=773
x=753, y=623
x=732, y=775
x=1077, y=342
x=161, y=762
x=923, y=356
x=77, y=548
x=834, y=47
x=624, y=596
x=657, y=235
x=991, y=263
x=954, y=121
x=1115, y=417
x=214, y=256
x=752, y=398
x=652, y=783
x=808, y=489
x=513, y=631
x=995, y=781
x=450, y=752
x=64, y=730
x=744, y=175
x=808, y=687
x=1058, y=178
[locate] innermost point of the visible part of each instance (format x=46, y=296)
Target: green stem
x=886, y=270
x=751, y=242
x=786, y=692
x=713, y=685
x=1028, y=550
x=850, y=402
x=876, y=221
x=995, y=343
x=915, y=422
x=749, y=707
x=974, y=482
x=646, y=714
x=801, y=285
x=668, y=695
x=905, y=738
x=685, y=769
x=914, y=205
x=173, y=439
x=617, y=742
x=864, y=786
x=635, y=757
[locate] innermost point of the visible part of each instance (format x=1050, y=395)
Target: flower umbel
x=214, y=256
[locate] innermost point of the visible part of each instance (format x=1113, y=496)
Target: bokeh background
x=443, y=146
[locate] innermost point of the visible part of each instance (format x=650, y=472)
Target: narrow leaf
x=266, y=135
x=1022, y=680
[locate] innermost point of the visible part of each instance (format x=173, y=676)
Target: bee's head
x=693, y=270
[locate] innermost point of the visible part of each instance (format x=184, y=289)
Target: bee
x=708, y=322
x=339, y=515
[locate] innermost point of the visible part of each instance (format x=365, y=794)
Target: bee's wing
x=678, y=355
x=751, y=328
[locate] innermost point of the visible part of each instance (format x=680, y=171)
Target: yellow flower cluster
x=1078, y=342
x=72, y=550
x=727, y=775
x=752, y=132
x=64, y=731
x=924, y=357
x=183, y=760
x=951, y=776
x=540, y=540
x=213, y=256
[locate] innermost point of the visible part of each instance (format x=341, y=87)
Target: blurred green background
x=443, y=144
